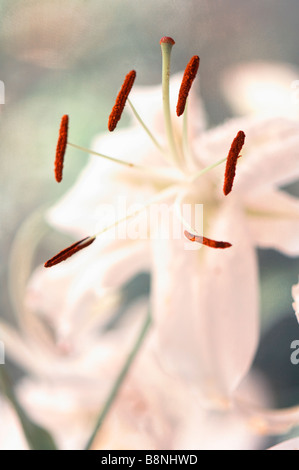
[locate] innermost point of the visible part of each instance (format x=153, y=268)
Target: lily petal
x=269, y=421
x=205, y=308
x=270, y=155
x=103, y=185
x=274, y=221
x=290, y=444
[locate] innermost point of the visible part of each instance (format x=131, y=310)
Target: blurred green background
x=70, y=56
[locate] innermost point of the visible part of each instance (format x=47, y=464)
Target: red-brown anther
x=61, y=147
x=206, y=241
x=69, y=251
x=167, y=40
x=231, y=162
x=189, y=76
x=120, y=101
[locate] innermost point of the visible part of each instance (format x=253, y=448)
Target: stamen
x=189, y=76
x=120, y=101
x=206, y=241
x=61, y=147
x=69, y=251
x=231, y=162
x=149, y=133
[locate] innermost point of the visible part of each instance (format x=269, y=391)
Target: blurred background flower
x=70, y=57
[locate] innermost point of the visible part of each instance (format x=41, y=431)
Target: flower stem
x=120, y=379
x=162, y=195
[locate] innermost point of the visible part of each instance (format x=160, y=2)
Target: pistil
x=166, y=47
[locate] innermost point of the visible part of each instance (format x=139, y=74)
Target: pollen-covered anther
x=231, y=162
x=69, y=251
x=206, y=241
x=120, y=101
x=188, y=78
x=61, y=147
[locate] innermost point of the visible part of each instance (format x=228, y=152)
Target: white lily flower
x=204, y=302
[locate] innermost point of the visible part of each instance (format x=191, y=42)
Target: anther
x=69, y=251
x=206, y=241
x=120, y=101
x=231, y=162
x=189, y=76
x=61, y=147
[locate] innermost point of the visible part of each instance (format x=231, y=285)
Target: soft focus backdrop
x=70, y=57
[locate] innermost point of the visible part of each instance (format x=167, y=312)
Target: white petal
x=105, y=189
x=11, y=433
x=205, y=307
x=270, y=155
x=109, y=270
x=263, y=88
x=269, y=421
x=18, y=349
x=290, y=444
x=274, y=221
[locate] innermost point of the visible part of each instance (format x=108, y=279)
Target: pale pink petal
x=18, y=349
x=274, y=221
x=290, y=444
x=268, y=421
x=65, y=410
x=263, y=88
x=110, y=270
x=53, y=296
x=11, y=433
x=203, y=303
x=105, y=190
x=270, y=156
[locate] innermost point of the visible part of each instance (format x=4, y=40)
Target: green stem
x=120, y=379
